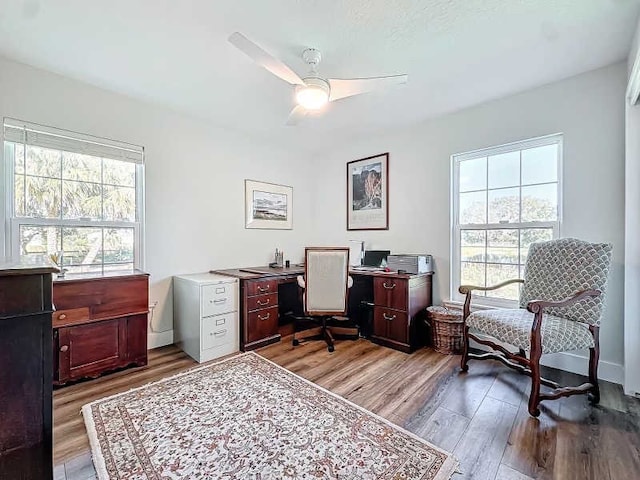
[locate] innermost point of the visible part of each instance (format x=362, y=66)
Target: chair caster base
x=535, y=413
x=464, y=368
x=330, y=348
x=594, y=398
x=295, y=342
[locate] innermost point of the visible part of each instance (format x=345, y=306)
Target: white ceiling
x=457, y=53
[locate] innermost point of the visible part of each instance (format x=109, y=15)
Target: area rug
x=248, y=418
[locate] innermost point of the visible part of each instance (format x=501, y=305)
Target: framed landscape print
x=368, y=193
x=267, y=205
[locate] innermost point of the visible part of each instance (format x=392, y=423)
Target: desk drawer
x=217, y=299
x=390, y=324
x=260, y=287
x=262, y=301
x=70, y=316
x=262, y=324
x=218, y=330
x=390, y=292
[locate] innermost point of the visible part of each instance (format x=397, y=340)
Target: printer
x=410, y=263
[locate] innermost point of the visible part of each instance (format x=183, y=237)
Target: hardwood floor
x=480, y=416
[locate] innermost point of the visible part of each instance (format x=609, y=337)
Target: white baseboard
x=159, y=339
x=574, y=363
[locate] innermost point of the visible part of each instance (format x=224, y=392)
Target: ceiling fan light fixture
x=313, y=95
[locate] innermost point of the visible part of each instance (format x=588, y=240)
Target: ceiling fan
x=312, y=92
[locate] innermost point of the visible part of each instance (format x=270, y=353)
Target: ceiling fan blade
x=264, y=59
x=296, y=116
x=347, y=87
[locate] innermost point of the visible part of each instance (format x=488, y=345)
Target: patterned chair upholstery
x=561, y=304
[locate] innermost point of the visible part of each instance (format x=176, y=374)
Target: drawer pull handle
x=218, y=302
x=389, y=287
x=262, y=304
x=219, y=333
x=266, y=317
x=64, y=348
x=387, y=317
x=263, y=289
x=62, y=316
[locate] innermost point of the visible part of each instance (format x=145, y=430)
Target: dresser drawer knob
x=62, y=316
x=388, y=317
x=266, y=317
x=263, y=289
x=389, y=287
x=64, y=348
x=266, y=302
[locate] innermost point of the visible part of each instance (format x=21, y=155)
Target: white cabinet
x=205, y=315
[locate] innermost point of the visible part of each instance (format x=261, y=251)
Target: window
x=504, y=199
x=74, y=195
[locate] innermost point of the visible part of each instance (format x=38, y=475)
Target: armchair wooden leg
x=594, y=395
x=465, y=349
x=534, y=396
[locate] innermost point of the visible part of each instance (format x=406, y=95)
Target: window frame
x=456, y=228
x=13, y=223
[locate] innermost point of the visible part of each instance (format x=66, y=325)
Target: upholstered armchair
x=560, y=308
x=326, y=285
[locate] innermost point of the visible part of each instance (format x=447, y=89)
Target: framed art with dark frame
x=268, y=205
x=368, y=193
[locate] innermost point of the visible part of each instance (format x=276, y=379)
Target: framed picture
x=368, y=193
x=267, y=205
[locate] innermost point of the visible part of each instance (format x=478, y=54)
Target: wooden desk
x=399, y=303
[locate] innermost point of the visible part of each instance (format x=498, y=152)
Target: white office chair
x=326, y=286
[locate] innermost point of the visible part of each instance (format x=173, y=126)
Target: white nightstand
x=205, y=315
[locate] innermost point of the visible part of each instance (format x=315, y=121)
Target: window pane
x=42, y=197
x=117, y=172
x=540, y=165
x=118, y=245
x=540, y=203
x=18, y=195
x=532, y=235
x=473, y=208
x=18, y=155
x=82, y=246
x=502, y=246
x=504, y=170
x=43, y=162
x=81, y=200
x=501, y=273
x=472, y=245
x=81, y=167
x=473, y=174
x=504, y=205
x=472, y=274
x=119, y=203
x=37, y=242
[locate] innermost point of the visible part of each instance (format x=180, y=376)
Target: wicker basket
x=446, y=329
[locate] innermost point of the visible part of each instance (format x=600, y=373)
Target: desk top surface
x=251, y=273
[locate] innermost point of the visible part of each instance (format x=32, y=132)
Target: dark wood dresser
x=100, y=324
x=25, y=373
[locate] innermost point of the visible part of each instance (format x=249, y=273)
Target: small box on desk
x=413, y=264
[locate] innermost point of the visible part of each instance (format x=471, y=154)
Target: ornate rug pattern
x=248, y=418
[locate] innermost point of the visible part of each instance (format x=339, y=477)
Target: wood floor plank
x=508, y=473
x=444, y=428
x=484, y=441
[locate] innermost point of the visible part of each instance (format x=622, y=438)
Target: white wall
x=588, y=109
x=632, y=239
x=194, y=176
